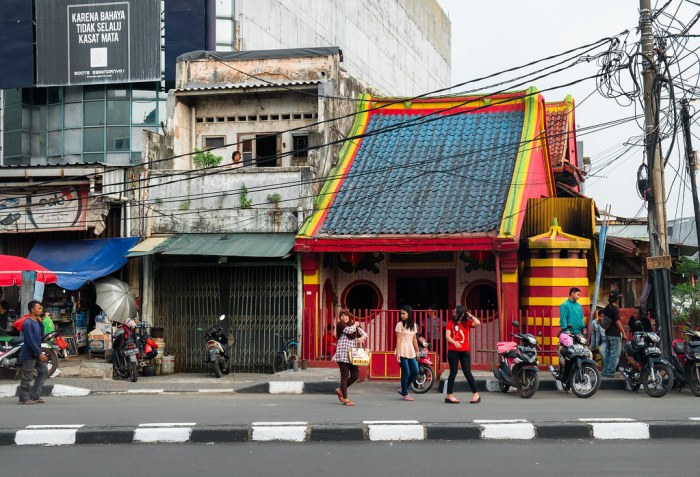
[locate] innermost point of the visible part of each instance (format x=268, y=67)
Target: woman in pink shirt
x=407, y=350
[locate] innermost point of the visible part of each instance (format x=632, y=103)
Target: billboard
x=96, y=41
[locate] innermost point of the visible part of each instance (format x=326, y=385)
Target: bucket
x=149, y=370
x=167, y=365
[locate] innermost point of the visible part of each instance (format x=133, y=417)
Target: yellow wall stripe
x=557, y=262
x=509, y=277
x=312, y=279
x=555, y=282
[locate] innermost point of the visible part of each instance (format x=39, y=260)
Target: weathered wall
x=180, y=202
x=401, y=47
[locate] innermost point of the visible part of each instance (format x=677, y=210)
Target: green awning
x=222, y=245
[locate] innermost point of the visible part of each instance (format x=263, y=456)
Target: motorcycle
x=216, y=354
x=646, y=365
x=9, y=354
x=518, y=364
x=426, y=373
x=685, y=358
x=125, y=351
x=577, y=370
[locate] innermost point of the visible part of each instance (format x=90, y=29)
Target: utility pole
x=658, y=230
x=690, y=158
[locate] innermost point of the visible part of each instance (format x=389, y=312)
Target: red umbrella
x=11, y=269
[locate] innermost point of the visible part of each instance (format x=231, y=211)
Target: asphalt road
x=377, y=401
x=570, y=458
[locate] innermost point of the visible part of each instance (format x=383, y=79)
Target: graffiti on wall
x=44, y=210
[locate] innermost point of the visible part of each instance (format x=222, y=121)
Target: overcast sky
x=495, y=35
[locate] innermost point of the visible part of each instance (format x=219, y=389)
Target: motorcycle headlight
x=653, y=337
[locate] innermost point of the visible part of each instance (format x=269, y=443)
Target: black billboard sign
x=97, y=41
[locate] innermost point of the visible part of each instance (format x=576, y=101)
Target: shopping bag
x=359, y=356
x=61, y=343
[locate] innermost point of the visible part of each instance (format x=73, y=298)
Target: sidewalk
x=80, y=377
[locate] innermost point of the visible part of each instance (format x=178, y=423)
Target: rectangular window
x=118, y=112
x=94, y=140
x=300, y=146
x=214, y=141
x=94, y=113
x=118, y=139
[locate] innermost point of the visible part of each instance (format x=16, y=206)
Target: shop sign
x=43, y=210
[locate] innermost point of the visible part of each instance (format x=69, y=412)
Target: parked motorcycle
x=125, y=351
x=216, y=350
x=518, y=364
x=646, y=365
x=577, y=370
x=426, y=373
x=685, y=358
x=9, y=354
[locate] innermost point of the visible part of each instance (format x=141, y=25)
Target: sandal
x=475, y=401
x=452, y=400
x=348, y=403
x=339, y=393
x=407, y=398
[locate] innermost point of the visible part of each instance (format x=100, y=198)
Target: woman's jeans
x=455, y=358
x=610, y=354
x=409, y=371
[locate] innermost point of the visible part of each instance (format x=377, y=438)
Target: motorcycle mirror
x=516, y=324
x=539, y=333
x=222, y=317
x=199, y=328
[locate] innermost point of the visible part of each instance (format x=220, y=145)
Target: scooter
x=125, y=351
x=216, y=354
x=426, y=373
x=646, y=365
x=9, y=354
x=577, y=370
x=685, y=359
x=518, y=364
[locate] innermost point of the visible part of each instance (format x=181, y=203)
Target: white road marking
x=286, y=387
x=396, y=432
x=280, y=423
x=499, y=421
x=620, y=430
x=694, y=418
x=164, y=432
x=216, y=391
x=508, y=430
x=168, y=424
x=46, y=435
x=145, y=391
x=391, y=422
x=8, y=390
x=607, y=419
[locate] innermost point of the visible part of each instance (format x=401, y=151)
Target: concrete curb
x=371, y=431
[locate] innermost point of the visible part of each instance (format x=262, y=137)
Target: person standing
x=406, y=350
x=458, y=352
x=433, y=331
x=614, y=332
x=349, y=336
x=32, y=357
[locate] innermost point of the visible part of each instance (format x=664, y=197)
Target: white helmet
x=130, y=323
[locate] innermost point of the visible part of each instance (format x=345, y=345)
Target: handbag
x=359, y=356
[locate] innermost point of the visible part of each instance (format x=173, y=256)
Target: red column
x=311, y=290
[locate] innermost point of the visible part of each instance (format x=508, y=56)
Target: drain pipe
x=300, y=304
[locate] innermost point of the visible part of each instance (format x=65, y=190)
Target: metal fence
x=261, y=301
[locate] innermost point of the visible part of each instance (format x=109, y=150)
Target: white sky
x=491, y=36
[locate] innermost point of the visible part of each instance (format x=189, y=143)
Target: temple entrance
x=421, y=289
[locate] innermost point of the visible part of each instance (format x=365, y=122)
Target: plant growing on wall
x=685, y=296
x=204, y=159
x=185, y=205
x=274, y=199
x=245, y=201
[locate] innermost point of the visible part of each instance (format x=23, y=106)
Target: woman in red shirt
x=457, y=334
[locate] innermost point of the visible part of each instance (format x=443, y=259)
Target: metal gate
x=261, y=301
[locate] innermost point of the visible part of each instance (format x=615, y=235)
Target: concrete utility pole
x=658, y=230
x=690, y=158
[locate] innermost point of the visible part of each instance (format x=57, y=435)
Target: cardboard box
x=103, y=327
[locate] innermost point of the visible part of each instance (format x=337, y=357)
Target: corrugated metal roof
x=445, y=176
x=250, y=83
x=574, y=215
x=261, y=54
x=225, y=245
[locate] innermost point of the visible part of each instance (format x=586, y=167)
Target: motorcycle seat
x=678, y=347
x=504, y=346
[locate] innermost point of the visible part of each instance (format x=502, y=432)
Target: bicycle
x=286, y=355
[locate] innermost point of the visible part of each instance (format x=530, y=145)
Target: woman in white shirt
x=407, y=350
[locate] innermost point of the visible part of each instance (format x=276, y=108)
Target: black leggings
x=349, y=373
x=464, y=358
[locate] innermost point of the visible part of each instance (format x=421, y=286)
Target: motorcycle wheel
x=662, y=383
x=118, y=370
x=216, y=364
x=424, y=381
x=52, y=362
x=133, y=372
x=585, y=381
x=529, y=383
x=693, y=373
x=503, y=387
x=278, y=364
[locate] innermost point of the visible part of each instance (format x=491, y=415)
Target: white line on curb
x=607, y=419
x=411, y=421
x=168, y=424
x=47, y=435
x=286, y=387
x=54, y=426
x=8, y=390
x=163, y=432
x=62, y=390
x=145, y=391
x=279, y=432
x=508, y=430
x=620, y=430
x=396, y=432
x=216, y=391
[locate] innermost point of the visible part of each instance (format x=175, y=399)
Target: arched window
x=480, y=295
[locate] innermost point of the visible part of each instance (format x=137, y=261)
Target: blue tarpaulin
x=81, y=260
